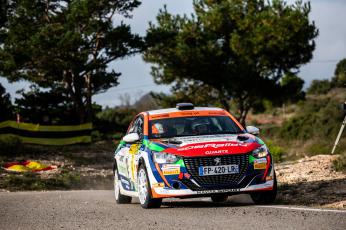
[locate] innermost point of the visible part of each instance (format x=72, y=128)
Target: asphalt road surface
x=96, y=209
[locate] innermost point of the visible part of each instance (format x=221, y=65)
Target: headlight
x=164, y=158
x=260, y=152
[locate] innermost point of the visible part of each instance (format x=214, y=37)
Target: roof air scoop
x=184, y=106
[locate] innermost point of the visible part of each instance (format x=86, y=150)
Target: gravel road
x=96, y=209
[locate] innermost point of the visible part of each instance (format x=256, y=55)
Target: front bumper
x=250, y=180
x=161, y=192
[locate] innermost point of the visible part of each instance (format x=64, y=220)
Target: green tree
x=67, y=44
x=240, y=48
x=339, y=79
x=188, y=91
x=115, y=119
x=291, y=88
x=319, y=86
x=46, y=107
x=6, y=108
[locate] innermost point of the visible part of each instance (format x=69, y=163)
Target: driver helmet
x=157, y=128
x=200, y=126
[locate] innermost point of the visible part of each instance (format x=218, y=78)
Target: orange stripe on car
x=146, y=126
x=235, y=120
x=188, y=114
x=156, y=195
x=161, y=174
x=267, y=168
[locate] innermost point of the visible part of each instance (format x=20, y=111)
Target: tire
x=219, y=198
x=144, y=192
x=265, y=197
x=119, y=198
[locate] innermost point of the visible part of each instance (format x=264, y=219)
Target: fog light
x=176, y=185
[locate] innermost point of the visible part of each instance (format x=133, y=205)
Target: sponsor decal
x=216, y=152
x=260, y=163
x=217, y=113
x=212, y=145
x=134, y=149
x=125, y=182
x=170, y=169
x=122, y=170
x=159, y=116
x=213, y=148
x=158, y=185
x=132, y=163
x=219, y=191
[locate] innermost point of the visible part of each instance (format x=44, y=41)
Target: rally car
x=191, y=151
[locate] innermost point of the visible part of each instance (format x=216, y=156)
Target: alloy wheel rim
x=142, y=186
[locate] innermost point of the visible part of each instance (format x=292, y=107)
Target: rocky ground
x=312, y=181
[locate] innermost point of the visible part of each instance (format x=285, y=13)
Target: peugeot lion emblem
x=217, y=161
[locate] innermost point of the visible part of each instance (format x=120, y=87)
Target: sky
x=328, y=15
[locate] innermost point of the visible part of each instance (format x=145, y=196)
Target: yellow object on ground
x=28, y=166
x=17, y=168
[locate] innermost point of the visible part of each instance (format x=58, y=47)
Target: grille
x=217, y=181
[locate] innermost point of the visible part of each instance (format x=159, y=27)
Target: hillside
x=307, y=128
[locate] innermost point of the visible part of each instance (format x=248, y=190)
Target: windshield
x=192, y=126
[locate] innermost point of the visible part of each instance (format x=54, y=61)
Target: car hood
x=213, y=145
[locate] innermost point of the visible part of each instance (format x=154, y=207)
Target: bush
x=96, y=136
x=340, y=162
x=319, y=87
x=10, y=144
x=275, y=150
x=319, y=147
x=319, y=119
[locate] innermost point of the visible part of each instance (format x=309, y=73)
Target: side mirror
x=253, y=130
x=131, y=137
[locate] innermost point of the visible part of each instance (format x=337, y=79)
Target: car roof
x=172, y=110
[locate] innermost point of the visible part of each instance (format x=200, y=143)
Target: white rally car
x=191, y=152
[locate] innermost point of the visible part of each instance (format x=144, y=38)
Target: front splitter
x=160, y=192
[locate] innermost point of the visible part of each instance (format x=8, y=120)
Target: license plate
x=218, y=170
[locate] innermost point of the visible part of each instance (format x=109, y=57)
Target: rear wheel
x=119, y=198
x=265, y=197
x=219, y=198
x=144, y=192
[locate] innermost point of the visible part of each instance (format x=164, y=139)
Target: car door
x=133, y=151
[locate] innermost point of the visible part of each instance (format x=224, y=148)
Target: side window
x=137, y=126
x=131, y=129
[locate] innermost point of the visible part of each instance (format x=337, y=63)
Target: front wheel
x=265, y=197
x=119, y=198
x=144, y=192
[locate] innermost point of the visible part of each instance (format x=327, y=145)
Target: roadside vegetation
x=307, y=128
